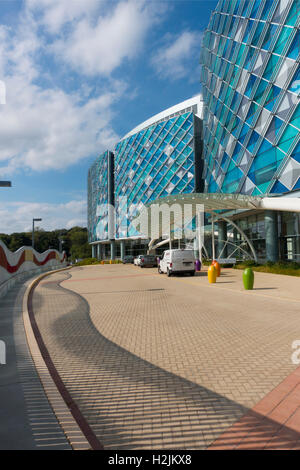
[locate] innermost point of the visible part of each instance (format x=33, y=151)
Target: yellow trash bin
x=212, y=274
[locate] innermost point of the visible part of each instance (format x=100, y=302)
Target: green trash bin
x=248, y=279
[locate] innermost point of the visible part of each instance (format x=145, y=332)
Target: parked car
x=148, y=261
x=128, y=259
x=177, y=261
x=137, y=260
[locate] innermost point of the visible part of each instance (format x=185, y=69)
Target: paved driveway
x=157, y=362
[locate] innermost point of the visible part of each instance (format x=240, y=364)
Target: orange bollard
x=212, y=274
x=217, y=267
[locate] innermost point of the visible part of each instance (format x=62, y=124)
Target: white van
x=177, y=261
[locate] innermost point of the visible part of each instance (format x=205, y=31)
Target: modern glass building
x=240, y=138
x=161, y=156
x=100, y=194
x=251, y=83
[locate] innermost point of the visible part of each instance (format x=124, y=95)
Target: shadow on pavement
x=27, y=421
x=129, y=402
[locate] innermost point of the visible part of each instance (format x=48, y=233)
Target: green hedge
x=89, y=261
x=281, y=267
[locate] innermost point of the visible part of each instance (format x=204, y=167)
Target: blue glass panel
x=270, y=34
x=287, y=138
x=295, y=119
x=213, y=187
x=241, y=55
x=237, y=153
x=244, y=132
x=252, y=142
x=282, y=39
x=294, y=13
x=279, y=188
x=252, y=110
x=232, y=180
x=255, y=9
x=250, y=85
x=225, y=159
x=258, y=33
x=260, y=91
x=245, y=8
x=236, y=97
x=271, y=67
x=235, y=128
x=294, y=49
x=231, y=167
x=265, y=166
x=264, y=146
x=297, y=185
x=267, y=8
x=274, y=129
x=272, y=97
x=236, y=7
x=247, y=31
x=296, y=153
x=295, y=85
x=251, y=53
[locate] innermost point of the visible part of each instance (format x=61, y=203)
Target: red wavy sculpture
x=12, y=269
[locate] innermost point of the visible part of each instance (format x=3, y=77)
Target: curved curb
x=72, y=422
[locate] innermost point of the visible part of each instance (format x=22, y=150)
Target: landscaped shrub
x=91, y=261
x=281, y=267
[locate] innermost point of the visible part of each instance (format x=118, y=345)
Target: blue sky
x=80, y=74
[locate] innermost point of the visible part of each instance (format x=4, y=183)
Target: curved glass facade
x=160, y=157
x=251, y=84
x=247, y=142
x=155, y=162
x=98, y=180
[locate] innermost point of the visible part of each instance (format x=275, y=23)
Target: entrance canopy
x=170, y=228
x=218, y=201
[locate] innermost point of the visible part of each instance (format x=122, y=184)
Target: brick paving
x=157, y=362
x=272, y=424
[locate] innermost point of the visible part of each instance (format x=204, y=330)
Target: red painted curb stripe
x=107, y=278
x=76, y=413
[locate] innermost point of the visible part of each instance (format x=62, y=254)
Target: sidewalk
x=27, y=421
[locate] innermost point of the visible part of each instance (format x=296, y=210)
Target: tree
x=75, y=241
x=17, y=240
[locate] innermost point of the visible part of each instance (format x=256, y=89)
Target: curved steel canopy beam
x=242, y=233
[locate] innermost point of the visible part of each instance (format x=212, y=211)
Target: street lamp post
x=61, y=242
x=34, y=220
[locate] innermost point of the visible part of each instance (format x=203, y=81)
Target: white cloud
x=44, y=127
x=17, y=216
x=173, y=60
x=50, y=129
x=101, y=47
x=54, y=14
